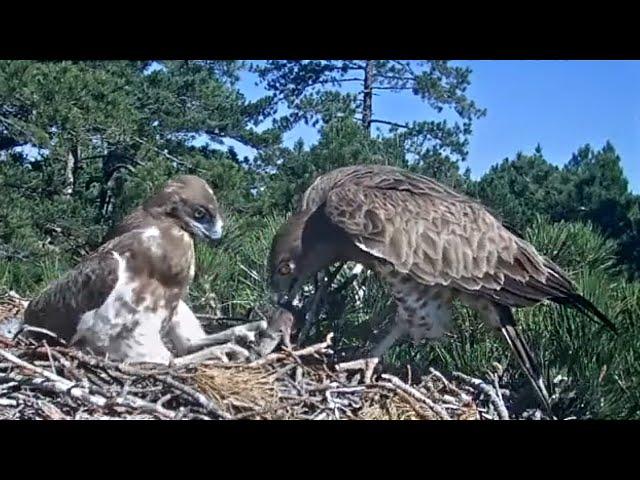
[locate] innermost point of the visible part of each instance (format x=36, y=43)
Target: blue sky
x=559, y=104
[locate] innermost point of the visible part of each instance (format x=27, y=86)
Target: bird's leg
x=431, y=323
x=389, y=340
x=185, y=329
x=247, y=333
x=187, y=335
x=225, y=353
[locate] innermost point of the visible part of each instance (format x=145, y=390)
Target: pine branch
x=386, y=122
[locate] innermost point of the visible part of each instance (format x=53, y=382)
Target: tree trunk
x=367, y=102
x=70, y=173
x=112, y=163
x=108, y=170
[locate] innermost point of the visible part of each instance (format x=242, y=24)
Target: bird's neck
x=324, y=244
x=325, y=254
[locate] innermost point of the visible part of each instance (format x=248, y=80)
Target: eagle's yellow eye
x=284, y=269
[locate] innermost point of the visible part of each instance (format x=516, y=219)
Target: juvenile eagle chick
x=119, y=300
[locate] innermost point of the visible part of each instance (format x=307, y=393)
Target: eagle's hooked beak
x=214, y=229
x=211, y=230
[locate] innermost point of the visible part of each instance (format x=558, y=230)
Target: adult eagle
x=121, y=300
x=430, y=244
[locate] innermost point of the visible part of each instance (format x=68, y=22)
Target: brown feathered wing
x=86, y=287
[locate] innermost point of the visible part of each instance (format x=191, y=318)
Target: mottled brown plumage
x=430, y=244
x=117, y=300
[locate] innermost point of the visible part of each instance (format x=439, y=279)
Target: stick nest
x=41, y=381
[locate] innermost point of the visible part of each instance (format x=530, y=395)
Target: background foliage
x=81, y=143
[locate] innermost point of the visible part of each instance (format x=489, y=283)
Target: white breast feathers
x=124, y=329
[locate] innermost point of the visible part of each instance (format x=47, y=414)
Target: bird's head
x=190, y=202
x=287, y=263
x=304, y=245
